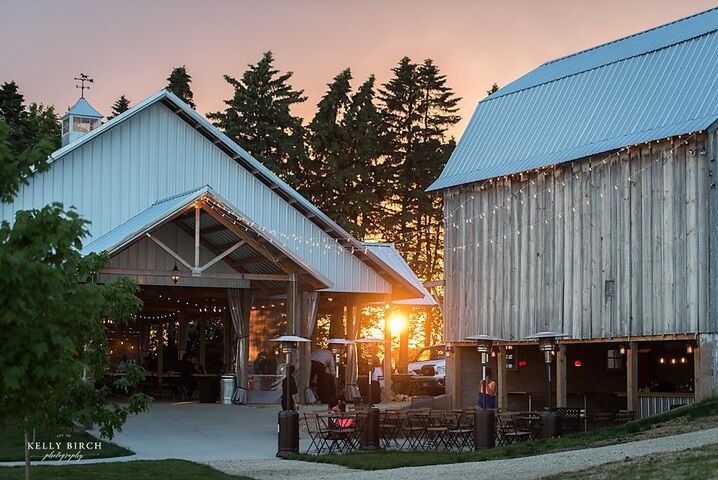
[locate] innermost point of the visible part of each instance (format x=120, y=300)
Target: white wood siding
x=154, y=155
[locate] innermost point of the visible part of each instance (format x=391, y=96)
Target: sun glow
x=397, y=323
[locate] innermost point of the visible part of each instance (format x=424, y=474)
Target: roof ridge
x=622, y=59
x=177, y=195
x=633, y=35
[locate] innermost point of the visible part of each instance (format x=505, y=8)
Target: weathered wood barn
x=581, y=199
x=211, y=235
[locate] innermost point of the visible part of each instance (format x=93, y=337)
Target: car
x=428, y=370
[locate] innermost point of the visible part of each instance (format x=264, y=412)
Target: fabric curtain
x=238, y=310
x=312, y=308
x=182, y=338
x=309, y=311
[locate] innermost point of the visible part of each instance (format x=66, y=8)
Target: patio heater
x=288, y=420
x=547, y=344
x=370, y=431
x=484, y=418
x=338, y=346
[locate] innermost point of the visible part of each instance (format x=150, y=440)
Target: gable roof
x=644, y=87
x=405, y=289
x=170, y=208
x=389, y=254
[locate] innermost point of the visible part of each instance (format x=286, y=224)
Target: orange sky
x=130, y=46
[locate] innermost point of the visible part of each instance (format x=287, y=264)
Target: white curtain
x=182, y=340
x=309, y=311
x=241, y=329
x=312, y=307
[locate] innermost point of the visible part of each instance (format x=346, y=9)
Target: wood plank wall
x=612, y=245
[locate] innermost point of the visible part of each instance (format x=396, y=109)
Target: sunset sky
x=130, y=46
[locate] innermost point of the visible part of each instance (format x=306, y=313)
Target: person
x=322, y=375
x=198, y=368
x=487, y=391
x=377, y=379
x=289, y=388
x=187, y=382
x=122, y=366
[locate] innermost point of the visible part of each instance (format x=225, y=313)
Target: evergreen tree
x=121, y=105
x=494, y=88
x=27, y=125
x=179, y=83
x=418, y=108
x=344, y=145
x=259, y=118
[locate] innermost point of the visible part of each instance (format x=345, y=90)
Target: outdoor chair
x=460, y=433
x=390, y=428
x=509, y=433
x=625, y=416
x=414, y=428
x=335, y=436
x=310, y=423
x=436, y=430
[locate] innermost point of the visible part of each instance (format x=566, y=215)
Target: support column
x=705, y=365
x=453, y=378
x=503, y=400
x=353, y=324
x=388, y=393
x=561, y=376
x=243, y=342
x=203, y=343
x=632, y=378
x=305, y=350
x=227, y=344
x=404, y=344
x=160, y=346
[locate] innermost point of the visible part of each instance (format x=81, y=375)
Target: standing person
x=323, y=369
x=187, y=382
x=487, y=390
x=377, y=379
x=289, y=388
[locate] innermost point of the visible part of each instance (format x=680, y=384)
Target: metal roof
x=648, y=86
x=257, y=169
x=83, y=108
x=168, y=209
x=389, y=254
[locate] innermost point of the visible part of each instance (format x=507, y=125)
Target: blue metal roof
x=391, y=256
x=83, y=108
x=648, y=86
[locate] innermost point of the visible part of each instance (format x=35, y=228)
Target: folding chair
x=316, y=441
x=460, y=432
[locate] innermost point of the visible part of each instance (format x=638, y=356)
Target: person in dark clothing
x=186, y=369
x=289, y=388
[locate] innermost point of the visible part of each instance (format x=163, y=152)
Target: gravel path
x=510, y=469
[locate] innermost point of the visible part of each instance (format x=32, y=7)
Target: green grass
x=135, y=470
x=12, y=444
x=614, y=434
x=697, y=464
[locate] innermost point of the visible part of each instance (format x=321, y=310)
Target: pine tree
x=121, y=105
x=417, y=109
x=259, y=118
x=344, y=143
x=27, y=124
x=179, y=83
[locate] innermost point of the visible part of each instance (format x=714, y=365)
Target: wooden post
x=404, y=345
x=503, y=400
x=561, y=376
x=292, y=305
x=453, y=378
x=387, y=393
x=632, y=377
x=202, y=342
x=160, y=346
x=182, y=326
x=304, y=353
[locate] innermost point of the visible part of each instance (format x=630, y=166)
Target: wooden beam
x=267, y=277
x=561, y=376
x=197, y=215
x=434, y=283
x=632, y=377
x=222, y=255
x=170, y=251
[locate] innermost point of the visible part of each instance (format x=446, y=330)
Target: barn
x=220, y=246
x=581, y=200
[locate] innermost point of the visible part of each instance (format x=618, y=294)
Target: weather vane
x=82, y=79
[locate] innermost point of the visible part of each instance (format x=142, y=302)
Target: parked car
x=428, y=371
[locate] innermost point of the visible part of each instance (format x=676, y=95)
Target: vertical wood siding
x=612, y=245
x=154, y=155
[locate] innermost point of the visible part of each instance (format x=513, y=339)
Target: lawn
x=604, y=436
x=135, y=470
x=12, y=448
x=697, y=464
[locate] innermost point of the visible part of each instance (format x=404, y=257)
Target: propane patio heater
x=338, y=346
x=370, y=432
x=484, y=418
x=288, y=420
x=547, y=344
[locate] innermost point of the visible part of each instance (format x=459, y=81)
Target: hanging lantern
x=175, y=275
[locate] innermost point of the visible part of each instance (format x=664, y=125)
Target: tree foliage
x=28, y=125
x=120, y=106
x=180, y=83
x=259, y=118
x=52, y=317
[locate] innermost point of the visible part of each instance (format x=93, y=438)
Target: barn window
x=614, y=360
